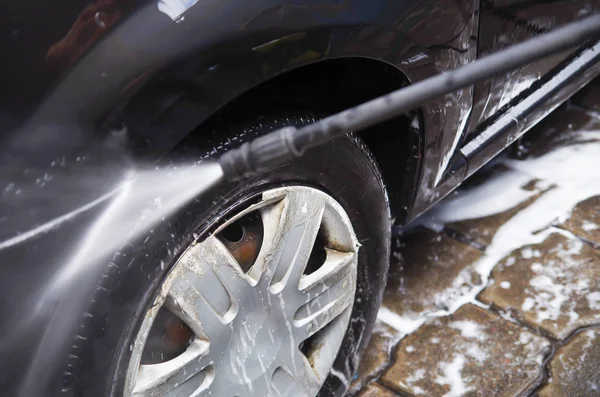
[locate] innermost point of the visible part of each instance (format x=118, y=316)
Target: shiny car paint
x=72, y=69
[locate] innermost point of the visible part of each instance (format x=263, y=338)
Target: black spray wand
x=282, y=146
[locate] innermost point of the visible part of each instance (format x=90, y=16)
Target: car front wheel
x=268, y=287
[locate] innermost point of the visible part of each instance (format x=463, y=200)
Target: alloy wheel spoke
x=223, y=387
x=299, y=369
x=224, y=265
x=162, y=379
x=323, y=309
x=337, y=266
x=325, y=294
x=283, y=384
x=186, y=301
x=298, y=218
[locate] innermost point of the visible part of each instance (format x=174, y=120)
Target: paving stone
x=482, y=230
x=471, y=352
x=554, y=285
x=585, y=220
x=375, y=390
x=574, y=368
x=428, y=269
x=376, y=357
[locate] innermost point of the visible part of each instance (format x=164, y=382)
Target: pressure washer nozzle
x=263, y=153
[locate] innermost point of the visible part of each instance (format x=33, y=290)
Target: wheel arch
x=324, y=87
x=216, y=54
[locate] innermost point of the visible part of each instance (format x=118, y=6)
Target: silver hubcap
x=272, y=331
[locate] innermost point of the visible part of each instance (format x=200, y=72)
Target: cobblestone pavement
x=497, y=291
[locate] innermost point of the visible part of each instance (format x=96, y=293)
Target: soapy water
x=143, y=198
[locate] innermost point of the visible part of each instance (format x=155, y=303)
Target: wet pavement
x=496, y=292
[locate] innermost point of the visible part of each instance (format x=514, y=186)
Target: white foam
x=468, y=329
x=452, y=376
x=593, y=300
x=574, y=172
x=589, y=226
x=403, y=324
x=501, y=192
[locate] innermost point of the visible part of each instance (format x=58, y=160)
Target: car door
x=504, y=23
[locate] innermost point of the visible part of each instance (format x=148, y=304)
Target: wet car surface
x=503, y=301
x=95, y=89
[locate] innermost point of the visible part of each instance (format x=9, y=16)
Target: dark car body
x=78, y=76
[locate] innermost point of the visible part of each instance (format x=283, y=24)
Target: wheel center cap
x=255, y=346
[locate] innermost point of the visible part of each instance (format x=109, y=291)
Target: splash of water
x=56, y=222
x=143, y=199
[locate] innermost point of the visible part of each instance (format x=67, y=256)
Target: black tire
x=344, y=169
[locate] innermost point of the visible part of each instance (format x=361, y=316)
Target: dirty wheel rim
x=273, y=330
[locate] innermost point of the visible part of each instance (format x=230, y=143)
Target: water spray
x=286, y=144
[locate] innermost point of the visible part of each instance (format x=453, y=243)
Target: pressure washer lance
x=282, y=146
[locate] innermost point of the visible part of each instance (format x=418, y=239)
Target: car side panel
x=235, y=46
x=508, y=22
x=58, y=93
